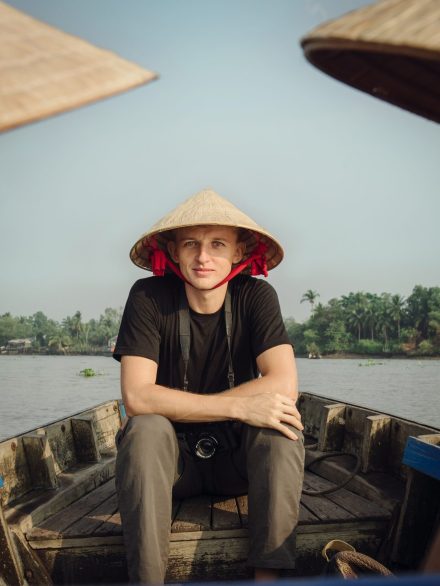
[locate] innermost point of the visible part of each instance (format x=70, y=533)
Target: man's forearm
x=282, y=385
x=179, y=405
x=183, y=406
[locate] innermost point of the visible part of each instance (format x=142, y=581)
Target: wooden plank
x=32, y=567
x=354, y=428
x=14, y=470
x=225, y=514
x=379, y=487
x=40, y=461
x=59, y=522
x=111, y=526
x=60, y=437
x=332, y=427
x=209, y=559
x=194, y=515
x=311, y=407
x=86, y=442
x=11, y=572
x=322, y=507
x=358, y=506
x=306, y=516
x=106, y=421
x=376, y=443
x=92, y=520
x=423, y=454
x=193, y=556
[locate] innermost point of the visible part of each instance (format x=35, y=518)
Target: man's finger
x=286, y=431
x=291, y=421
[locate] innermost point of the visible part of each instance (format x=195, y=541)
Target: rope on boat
x=349, y=563
x=337, y=486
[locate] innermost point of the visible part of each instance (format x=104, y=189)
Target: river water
x=35, y=390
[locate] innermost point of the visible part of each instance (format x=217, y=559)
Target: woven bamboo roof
x=390, y=49
x=44, y=71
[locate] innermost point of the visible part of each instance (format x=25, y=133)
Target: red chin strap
x=159, y=262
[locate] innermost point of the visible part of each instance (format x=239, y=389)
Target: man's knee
x=148, y=432
x=273, y=445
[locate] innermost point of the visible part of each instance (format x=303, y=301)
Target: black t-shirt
x=150, y=328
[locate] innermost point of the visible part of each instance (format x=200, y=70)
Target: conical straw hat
x=44, y=71
x=390, y=50
x=205, y=208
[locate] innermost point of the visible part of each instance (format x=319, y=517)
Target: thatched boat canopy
x=44, y=71
x=390, y=50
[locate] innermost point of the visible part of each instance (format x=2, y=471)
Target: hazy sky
x=347, y=183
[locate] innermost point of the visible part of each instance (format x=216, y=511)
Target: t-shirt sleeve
x=267, y=325
x=139, y=333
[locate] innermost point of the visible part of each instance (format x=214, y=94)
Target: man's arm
x=268, y=401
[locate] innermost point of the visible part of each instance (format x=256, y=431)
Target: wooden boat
x=61, y=521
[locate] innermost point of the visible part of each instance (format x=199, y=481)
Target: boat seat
x=83, y=543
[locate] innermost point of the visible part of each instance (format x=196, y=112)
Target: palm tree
x=396, y=310
x=310, y=296
x=355, y=319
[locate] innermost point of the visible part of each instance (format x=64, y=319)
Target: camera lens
x=206, y=447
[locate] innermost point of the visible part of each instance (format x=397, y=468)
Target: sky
x=348, y=184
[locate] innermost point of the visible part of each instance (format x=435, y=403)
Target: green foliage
x=372, y=324
x=313, y=350
x=88, y=372
x=425, y=348
x=370, y=347
x=71, y=335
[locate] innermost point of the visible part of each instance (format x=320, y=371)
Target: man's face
x=205, y=254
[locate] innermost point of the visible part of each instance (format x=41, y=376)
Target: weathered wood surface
x=209, y=535
x=96, y=513
x=332, y=427
x=23, y=471
x=10, y=568
x=77, y=531
x=40, y=505
x=376, y=443
x=205, y=555
x=86, y=440
x=40, y=461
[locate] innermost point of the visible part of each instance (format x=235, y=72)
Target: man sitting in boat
x=209, y=384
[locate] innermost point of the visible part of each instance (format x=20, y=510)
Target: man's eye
x=189, y=244
x=218, y=243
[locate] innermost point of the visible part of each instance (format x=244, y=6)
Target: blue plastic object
x=423, y=457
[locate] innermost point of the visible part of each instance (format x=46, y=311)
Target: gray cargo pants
x=153, y=465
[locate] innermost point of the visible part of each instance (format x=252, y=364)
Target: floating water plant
x=88, y=372
x=370, y=362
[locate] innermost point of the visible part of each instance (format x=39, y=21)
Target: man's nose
x=202, y=253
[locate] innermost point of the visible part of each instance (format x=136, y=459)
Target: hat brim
x=140, y=252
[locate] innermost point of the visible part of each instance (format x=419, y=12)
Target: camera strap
x=185, y=334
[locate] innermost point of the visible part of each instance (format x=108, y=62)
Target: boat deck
x=208, y=534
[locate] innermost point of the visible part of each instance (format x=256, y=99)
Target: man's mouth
x=200, y=271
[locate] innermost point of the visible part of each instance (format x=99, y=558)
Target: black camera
x=206, y=446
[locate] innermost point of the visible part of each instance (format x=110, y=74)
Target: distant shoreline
x=88, y=353
x=343, y=356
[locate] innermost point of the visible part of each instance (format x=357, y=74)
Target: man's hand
x=271, y=410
